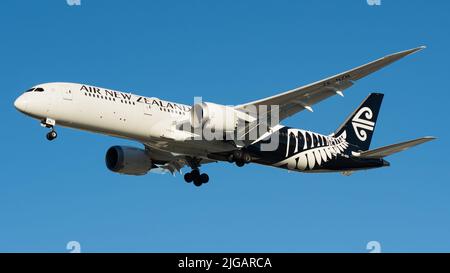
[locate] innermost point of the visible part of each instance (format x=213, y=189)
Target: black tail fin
x=360, y=125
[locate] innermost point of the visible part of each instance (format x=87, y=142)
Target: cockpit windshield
x=34, y=89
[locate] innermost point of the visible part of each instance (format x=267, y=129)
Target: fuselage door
x=68, y=94
x=147, y=109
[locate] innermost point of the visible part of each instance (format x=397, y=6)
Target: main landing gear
x=50, y=123
x=240, y=157
x=196, y=177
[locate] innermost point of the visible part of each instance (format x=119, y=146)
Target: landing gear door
x=68, y=94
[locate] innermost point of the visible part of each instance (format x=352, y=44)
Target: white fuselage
x=148, y=120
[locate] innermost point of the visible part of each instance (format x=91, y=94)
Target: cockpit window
x=39, y=89
x=30, y=90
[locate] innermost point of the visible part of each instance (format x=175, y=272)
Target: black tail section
x=360, y=125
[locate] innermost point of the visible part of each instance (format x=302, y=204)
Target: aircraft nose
x=21, y=104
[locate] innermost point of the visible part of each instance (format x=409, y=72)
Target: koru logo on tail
x=362, y=123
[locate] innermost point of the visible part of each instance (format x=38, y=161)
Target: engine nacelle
x=214, y=117
x=128, y=160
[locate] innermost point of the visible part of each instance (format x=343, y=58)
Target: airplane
x=171, y=132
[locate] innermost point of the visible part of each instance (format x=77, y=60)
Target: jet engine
x=214, y=117
x=128, y=160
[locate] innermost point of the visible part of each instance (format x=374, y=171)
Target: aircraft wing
x=168, y=162
x=298, y=99
x=394, y=148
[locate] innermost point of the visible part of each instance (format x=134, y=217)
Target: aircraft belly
x=190, y=147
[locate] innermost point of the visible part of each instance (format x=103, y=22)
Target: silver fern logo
x=362, y=123
x=314, y=153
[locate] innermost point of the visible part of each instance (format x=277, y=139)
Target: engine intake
x=128, y=160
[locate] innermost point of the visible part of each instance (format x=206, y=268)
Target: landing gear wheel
x=237, y=155
x=240, y=163
x=240, y=157
x=197, y=181
x=188, y=177
x=230, y=158
x=247, y=158
x=51, y=135
x=204, y=178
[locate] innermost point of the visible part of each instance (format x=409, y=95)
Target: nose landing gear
x=51, y=135
x=50, y=123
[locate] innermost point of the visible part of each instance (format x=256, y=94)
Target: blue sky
x=229, y=52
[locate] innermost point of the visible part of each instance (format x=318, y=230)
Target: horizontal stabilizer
x=394, y=148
